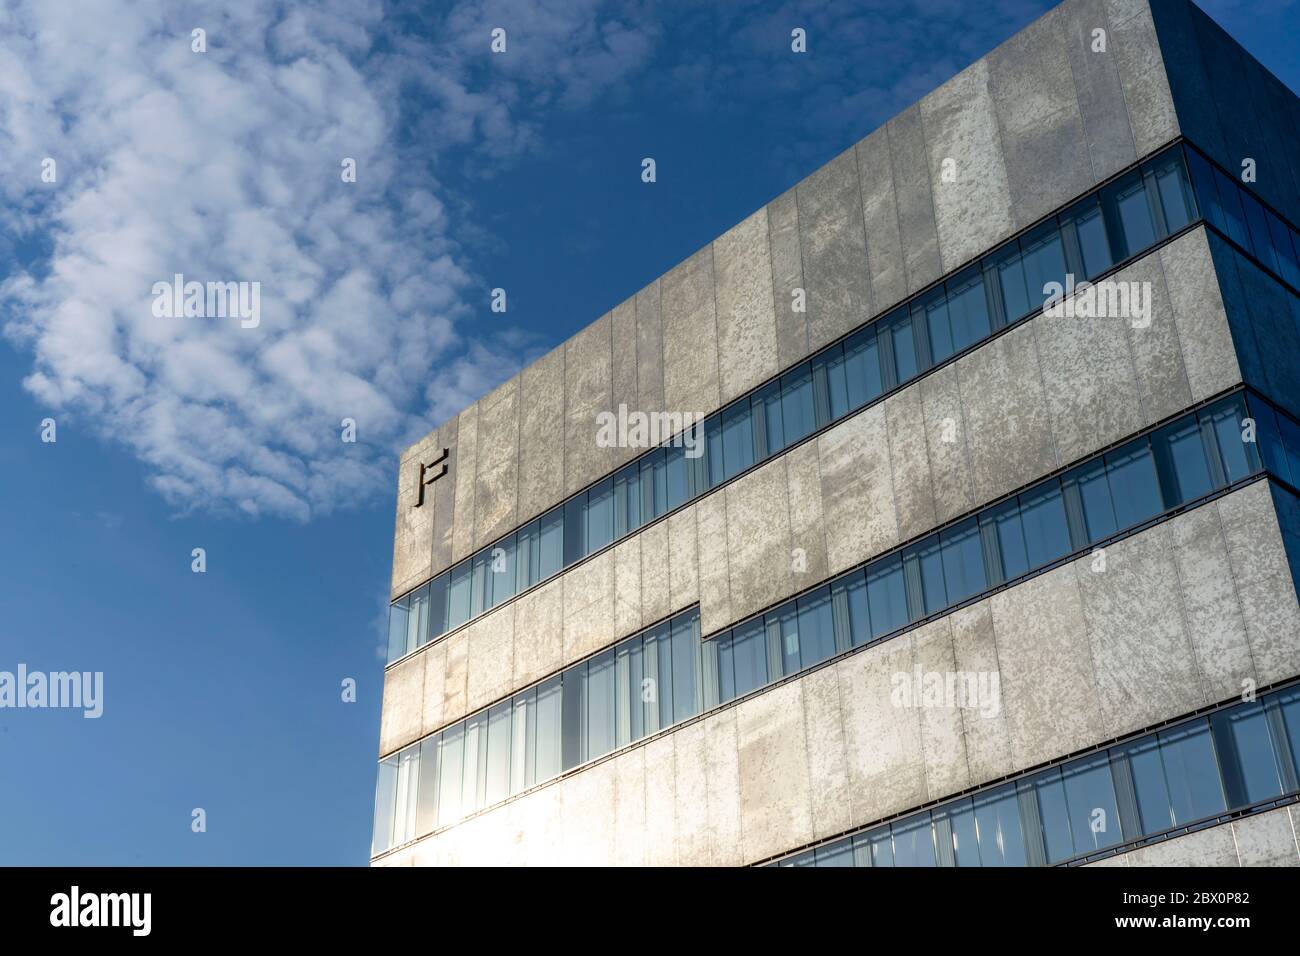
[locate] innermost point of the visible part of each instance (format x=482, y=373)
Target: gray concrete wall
x=1040, y=397
x=1265, y=839
x=875, y=224
x=1182, y=614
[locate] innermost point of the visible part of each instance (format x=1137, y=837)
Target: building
x=957, y=572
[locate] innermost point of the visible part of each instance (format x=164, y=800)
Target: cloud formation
x=225, y=165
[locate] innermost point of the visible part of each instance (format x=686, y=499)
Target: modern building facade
x=969, y=563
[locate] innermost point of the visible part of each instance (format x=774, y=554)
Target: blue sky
x=222, y=690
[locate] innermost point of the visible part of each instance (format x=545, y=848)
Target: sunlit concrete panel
x=747, y=334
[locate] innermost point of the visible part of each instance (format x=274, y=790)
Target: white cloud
x=224, y=166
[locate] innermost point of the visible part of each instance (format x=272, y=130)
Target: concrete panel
x=455, y=677
x=588, y=602
x=629, y=803
x=444, y=497
x=541, y=463
x=1263, y=578
x=624, y=390
x=497, y=471
x=463, y=470
x=758, y=537
x=787, y=276
x=1144, y=663
x=886, y=267
x=722, y=770
x=491, y=656
x=974, y=212
x=1266, y=839
x=775, y=798
x=1007, y=425
x=715, y=585
x=649, y=348
x=1142, y=75
x=588, y=384
x=539, y=638
x=656, y=602
x=691, y=795
x=1157, y=352
x=943, y=732
x=1212, y=847
x=683, y=559
x=834, y=250
x=435, y=666
x=1047, y=158
x=946, y=444
x=1100, y=93
x=747, y=349
x=1050, y=696
x=627, y=586
x=1089, y=378
x=988, y=741
x=402, y=718
x=1192, y=284
x=857, y=489
x=413, y=537
x=807, y=526
x=912, y=189
x=828, y=769
x=660, y=803
x=909, y=462
x=589, y=816
x=690, y=336
x=1209, y=599
x=882, y=739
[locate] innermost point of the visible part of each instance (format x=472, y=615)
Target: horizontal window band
x=474, y=574
x=1281, y=737
x=689, y=682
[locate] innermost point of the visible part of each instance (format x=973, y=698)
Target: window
x=929, y=561
x=600, y=515
x=851, y=593
x=1044, y=262
x=549, y=696
x=385, y=803
x=1132, y=227
x=1239, y=458
x=523, y=741
x=968, y=308
x=1182, y=465
x=1133, y=485
x=627, y=500
x=451, y=762
x=600, y=705
x=769, y=400
x=1175, y=192
x=747, y=647
x=498, y=752
x=913, y=842
x=862, y=367
x=458, y=595
x=737, y=439
x=398, y=614
x=438, y=606
x=1090, y=797
x=426, y=815
x=1001, y=839
x=573, y=714
x=1005, y=539
x=932, y=309
x=502, y=577
x=1245, y=748
x=963, y=563
x=1205, y=183
x=628, y=674
x=473, y=789
x=654, y=484
x=898, y=345
x=685, y=637
x=575, y=529
x=1011, y=282
x=828, y=374
x=797, y=413
x=1234, y=218
x=1042, y=515
x=886, y=596
x=1089, y=486
x=1191, y=773
x=816, y=627
x=1088, y=228
x=1284, y=248
x=1257, y=226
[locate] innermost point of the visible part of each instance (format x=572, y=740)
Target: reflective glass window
x=1042, y=515
x=1133, y=485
